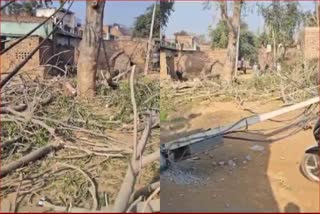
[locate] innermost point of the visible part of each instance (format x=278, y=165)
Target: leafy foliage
x=219, y=36
x=166, y=8
x=282, y=20
x=248, y=46
x=143, y=22
x=309, y=19
x=182, y=33
x=145, y=93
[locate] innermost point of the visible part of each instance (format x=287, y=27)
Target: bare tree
x=233, y=26
x=89, y=46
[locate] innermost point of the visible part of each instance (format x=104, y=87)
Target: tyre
x=309, y=166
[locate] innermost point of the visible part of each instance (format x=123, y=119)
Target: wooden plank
x=235, y=126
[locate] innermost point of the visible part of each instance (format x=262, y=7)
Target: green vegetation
x=248, y=47
x=146, y=94
x=143, y=22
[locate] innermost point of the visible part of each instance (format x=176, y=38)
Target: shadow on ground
x=231, y=178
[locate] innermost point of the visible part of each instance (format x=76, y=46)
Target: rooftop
x=63, y=10
x=28, y=19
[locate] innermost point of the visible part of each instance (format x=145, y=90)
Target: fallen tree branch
x=134, y=204
x=18, y=108
x=33, y=156
x=146, y=190
x=150, y=198
x=134, y=166
x=7, y=143
x=135, y=115
x=92, y=189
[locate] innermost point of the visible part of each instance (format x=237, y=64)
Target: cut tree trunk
x=89, y=46
x=233, y=25
x=228, y=69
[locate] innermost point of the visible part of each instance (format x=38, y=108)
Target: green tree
x=166, y=8
x=142, y=23
x=248, y=47
x=182, y=33
x=310, y=19
x=219, y=35
x=232, y=22
x=282, y=20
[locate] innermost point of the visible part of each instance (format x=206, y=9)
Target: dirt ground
x=256, y=181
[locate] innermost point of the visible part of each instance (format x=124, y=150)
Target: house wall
x=45, y=12
x=186, y=40
x=166, y=64
x=310, y=43
x=69, y=20
x=134, y=48
x=66, y=49
x=116, y=31
x=216, y=54
x=192, y=63
x=21, y=25
x=17, y=54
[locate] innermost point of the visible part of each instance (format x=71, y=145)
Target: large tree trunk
x=89, y=46
x=233, y=26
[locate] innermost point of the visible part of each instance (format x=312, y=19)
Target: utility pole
x=146, y=66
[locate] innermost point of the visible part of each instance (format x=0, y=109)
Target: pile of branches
x=45, y=134
x=146, y=93
x=292, y=84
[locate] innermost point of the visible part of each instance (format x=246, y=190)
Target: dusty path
x=235, y=178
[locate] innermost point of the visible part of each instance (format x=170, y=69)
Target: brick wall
x=28, y=19
x=18, y=53
x=163, y=65
x=136, y=48
x=167, y=63
x=216, y=54
x=264, y=57
x=310, y=43
x=187, y=41
x=192, y=63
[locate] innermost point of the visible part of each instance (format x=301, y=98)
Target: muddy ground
x=234, y=177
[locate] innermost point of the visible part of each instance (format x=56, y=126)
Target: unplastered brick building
x=18, y=53
x=58, y=50
x=310, y=43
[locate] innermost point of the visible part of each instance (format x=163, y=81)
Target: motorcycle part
x=310, y=166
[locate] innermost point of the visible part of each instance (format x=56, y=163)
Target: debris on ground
x=183, y=175
x=248, y=157
x=257, y=148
